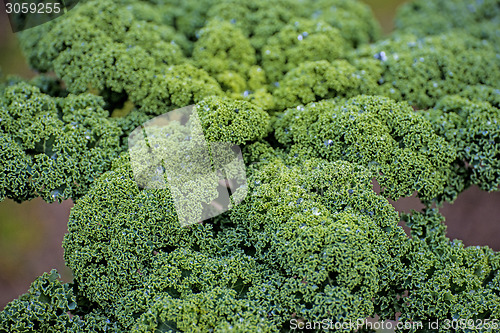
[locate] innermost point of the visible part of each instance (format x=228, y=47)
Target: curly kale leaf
x=226, y=120
x=399, y=145
x=91, y=51
x=478, y=18
x=225, y=53
x=314, y=81
x=47, y=308
x=423, y=70
x=299, y=42
x=354, y=19
x=53, y=147
x=447, y=280
x=258, y=19
x=473, y=128
x=126, y=247
x=321, y=225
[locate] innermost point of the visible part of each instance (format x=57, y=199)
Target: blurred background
x=31, y=233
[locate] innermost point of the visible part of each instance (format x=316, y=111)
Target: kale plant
x=320, y=104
